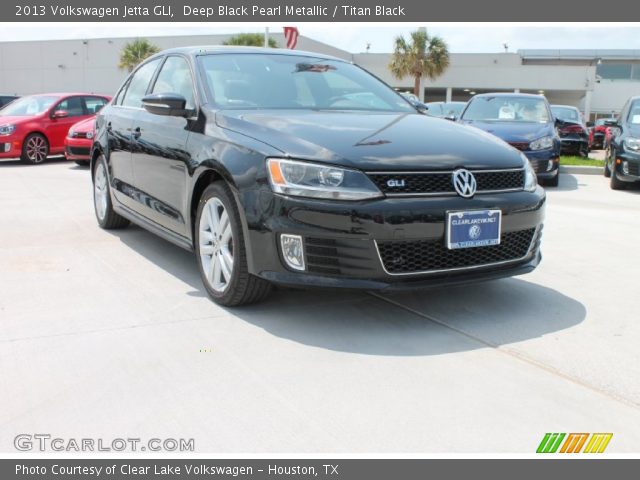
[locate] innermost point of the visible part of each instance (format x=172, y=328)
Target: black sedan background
x=574, y=136
x=622, y=164
x=300, y=169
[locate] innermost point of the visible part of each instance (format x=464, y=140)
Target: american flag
x=291, y=36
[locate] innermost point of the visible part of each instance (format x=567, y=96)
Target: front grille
x=438, y=183
x=328, y=256
x=78, y=151
x=634, y=169
x=539, y=165
x=522, y=146
x=424, y=256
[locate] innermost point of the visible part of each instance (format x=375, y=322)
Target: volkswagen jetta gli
x=280, y=167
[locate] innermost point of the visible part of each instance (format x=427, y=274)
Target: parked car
x=77, y=144
x=622, y=163
x=598, y=134
x=449, y=110
x=35, y=126
x=574, y=136
x=251, y=158
x=6, y=100
x=525, y=122
x=414, y=100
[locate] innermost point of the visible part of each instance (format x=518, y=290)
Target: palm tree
x=250, y=40
x=135, y=52
x=422, y=56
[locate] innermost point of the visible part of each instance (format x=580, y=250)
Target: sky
x=461, y=38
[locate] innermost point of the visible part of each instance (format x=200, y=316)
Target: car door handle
x=136, y=133
x=109, y=128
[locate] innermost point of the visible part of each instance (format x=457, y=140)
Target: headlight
x=530, y=178
x=303, y=179
x=542, y=143
x=72, y=133
x=632, y=143
x=89, y=135
x=7, y=129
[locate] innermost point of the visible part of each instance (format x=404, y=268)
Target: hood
x=8, y=120
x=84, y=126
x=514, y=131
x=372, y=141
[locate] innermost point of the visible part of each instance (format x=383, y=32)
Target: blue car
x=523, y=121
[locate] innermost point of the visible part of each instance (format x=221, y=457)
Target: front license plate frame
x=473, y=228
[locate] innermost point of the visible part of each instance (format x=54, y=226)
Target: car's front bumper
x=574, y=144
x=343, y=240
x=632, y=171
x=10, y=146
x=546, y=163
x=77, y=148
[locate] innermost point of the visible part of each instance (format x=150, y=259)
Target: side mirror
x=167, y=104
x=451, y=118
x=60, y=114
x=421, y=107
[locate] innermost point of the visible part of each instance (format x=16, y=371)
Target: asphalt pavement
x=110, y=334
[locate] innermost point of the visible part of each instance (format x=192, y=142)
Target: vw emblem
x=464, y=182
x=474, y=232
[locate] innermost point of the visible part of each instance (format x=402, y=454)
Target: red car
x=36, y=126
x=77, y=145
x=598, y=135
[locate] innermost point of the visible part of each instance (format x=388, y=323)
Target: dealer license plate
x=473, y=228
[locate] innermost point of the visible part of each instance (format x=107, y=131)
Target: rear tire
x=35, y=149
x=221, y=251
x=106, y=216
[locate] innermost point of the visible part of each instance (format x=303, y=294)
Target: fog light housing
x=625, y=167
x=292, y=251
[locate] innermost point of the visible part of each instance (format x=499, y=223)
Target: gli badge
x=393, y=183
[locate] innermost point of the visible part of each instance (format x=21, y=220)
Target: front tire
x=553, y=182
x=106, y=216
x=616, y=183
x=35, y=149
x=221, y=251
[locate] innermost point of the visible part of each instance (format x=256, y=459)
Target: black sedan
x=622, y=164
x=281, y=167
x=574, y=136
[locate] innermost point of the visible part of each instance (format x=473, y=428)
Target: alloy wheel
x=100, y=191
x=216, y=244
x=36, y=149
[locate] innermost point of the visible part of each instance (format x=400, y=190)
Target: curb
x=581, y=170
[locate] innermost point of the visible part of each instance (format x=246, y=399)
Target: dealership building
x=598, y=82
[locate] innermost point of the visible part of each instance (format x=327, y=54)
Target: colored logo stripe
x=598, y=442
x=574, y=443
x=550, y=443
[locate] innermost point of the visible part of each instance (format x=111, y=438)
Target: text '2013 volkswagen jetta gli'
x=280, y=167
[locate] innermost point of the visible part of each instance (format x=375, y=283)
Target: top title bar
x=314, y=11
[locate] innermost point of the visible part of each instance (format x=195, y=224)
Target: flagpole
x=266, y=37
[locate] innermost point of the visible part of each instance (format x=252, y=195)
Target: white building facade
x=598, y=82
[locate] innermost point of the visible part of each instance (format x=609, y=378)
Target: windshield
x=634, y=113
x=507, y=109
x=566, y=113
x=295, y=82
x=28, y=106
